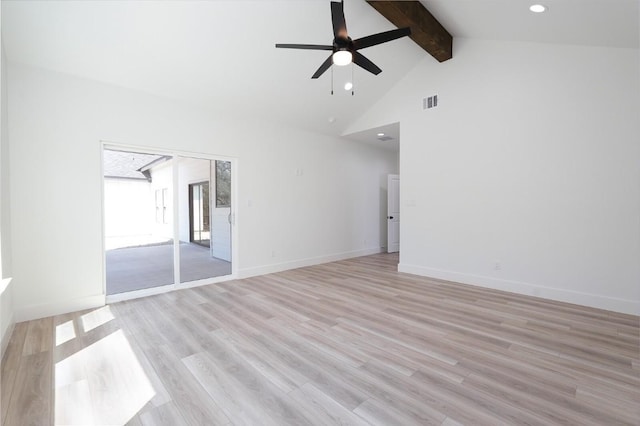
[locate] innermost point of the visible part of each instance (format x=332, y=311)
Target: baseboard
x=6, y=337
x=301, y=263
x=7, y=321
x=579, y=298
x=31, y=312
x=245, y=273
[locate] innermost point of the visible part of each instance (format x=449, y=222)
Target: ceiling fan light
x=537, y=8
x=342, y=57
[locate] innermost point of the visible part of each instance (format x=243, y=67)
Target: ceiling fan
x=344, y=49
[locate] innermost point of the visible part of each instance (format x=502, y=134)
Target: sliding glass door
x=168, y=219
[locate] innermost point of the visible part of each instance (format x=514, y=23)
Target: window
x=161, y=205
x=158, y=205
x=165, y=199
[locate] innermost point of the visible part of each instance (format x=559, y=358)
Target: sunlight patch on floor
x=96, y=318
x=65, y=332
x=102, y=384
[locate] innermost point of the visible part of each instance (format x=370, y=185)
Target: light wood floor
x=350, y=342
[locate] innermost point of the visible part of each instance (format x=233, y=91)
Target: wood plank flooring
x=350, y=342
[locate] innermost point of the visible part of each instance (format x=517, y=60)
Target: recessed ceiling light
x=348, y=85
x=380, y=135
x=537, y=8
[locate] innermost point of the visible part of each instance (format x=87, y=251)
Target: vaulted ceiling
x=220, y=54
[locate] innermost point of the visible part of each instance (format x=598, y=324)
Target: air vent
x=430, y=102
x=385, y=138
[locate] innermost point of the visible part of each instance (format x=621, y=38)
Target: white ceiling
x=221, y=54
x=386, y=137
x=612, y=23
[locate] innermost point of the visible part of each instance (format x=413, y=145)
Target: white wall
x=531, y=160
x=161, y=180
x=7, y=318
x=129, y=208
x=284, y=219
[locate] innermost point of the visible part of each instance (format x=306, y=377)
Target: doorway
x=199, y=224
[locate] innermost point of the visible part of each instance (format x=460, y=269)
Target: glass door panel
x=138, y=200
x=204, y=226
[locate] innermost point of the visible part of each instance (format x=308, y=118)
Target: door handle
x=390, y=217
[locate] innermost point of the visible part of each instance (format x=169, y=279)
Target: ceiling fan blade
x=325, y=66
x=305, y=46
x=337, y=18
x=360, y=60
x=380, y=38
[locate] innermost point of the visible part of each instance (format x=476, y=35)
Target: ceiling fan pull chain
x=353, y=83
x=331, y=79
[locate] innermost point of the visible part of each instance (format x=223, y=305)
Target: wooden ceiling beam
x=426, y=31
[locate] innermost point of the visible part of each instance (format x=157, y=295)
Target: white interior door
x=221, y=233
x=393, y=213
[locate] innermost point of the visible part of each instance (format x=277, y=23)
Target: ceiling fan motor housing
x=340, y=43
